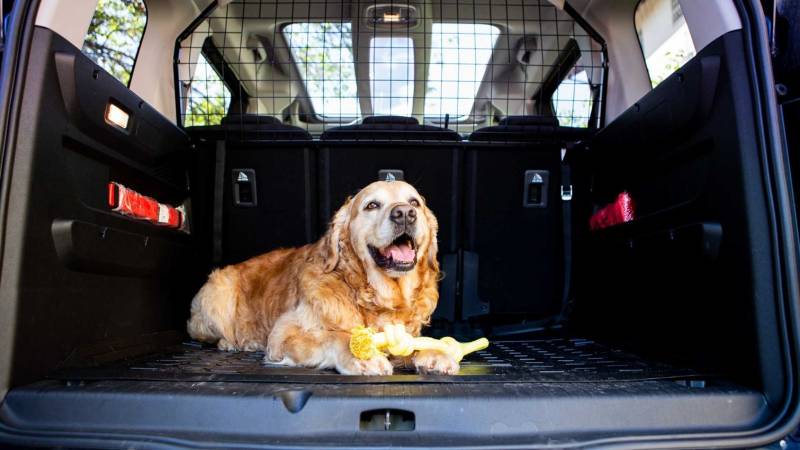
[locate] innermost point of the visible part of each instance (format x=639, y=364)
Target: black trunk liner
x=544, y=360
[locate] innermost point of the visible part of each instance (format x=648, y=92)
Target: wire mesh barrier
x=437, y=64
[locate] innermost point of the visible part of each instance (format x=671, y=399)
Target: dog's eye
x=414, y=202
x=372, y=205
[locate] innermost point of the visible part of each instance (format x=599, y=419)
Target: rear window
x=460, y=54
x=391, y=75
x=663, y=36
x=326, y=64
x=323, y=56
x=114, y=36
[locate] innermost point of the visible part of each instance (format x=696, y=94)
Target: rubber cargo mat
x=546, y=360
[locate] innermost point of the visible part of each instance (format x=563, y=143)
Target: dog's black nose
x=404, y=214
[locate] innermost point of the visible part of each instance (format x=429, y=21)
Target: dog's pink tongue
x=402, y=252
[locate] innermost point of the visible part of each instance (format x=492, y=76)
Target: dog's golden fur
x=300, y=304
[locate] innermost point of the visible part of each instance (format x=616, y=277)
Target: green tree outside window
x=209, y=98
x=114, y=36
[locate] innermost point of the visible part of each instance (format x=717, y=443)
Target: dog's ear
x=433, y=247
x=333, y=240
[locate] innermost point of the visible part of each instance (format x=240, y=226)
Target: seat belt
x=219, y=185
x=566, y=221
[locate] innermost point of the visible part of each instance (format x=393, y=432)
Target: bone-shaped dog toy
x=365, y=343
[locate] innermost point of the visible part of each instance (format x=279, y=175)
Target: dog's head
x=389, y=228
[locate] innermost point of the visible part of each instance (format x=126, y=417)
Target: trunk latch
x=244, y=188
x=387, y=420
x=535, y=189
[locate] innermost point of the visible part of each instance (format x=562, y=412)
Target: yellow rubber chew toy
x=365, y=343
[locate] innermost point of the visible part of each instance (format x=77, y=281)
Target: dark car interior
x=670, y=324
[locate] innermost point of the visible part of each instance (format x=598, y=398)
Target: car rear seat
x=391, y=128
x=513, y=255
x=533, y=129
x=429, y=157
x=277, y=164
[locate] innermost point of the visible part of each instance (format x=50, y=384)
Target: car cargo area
x=539, y=360
x=195, y=394
x=668, y=322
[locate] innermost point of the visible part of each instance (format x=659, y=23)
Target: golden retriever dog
x=376, y=265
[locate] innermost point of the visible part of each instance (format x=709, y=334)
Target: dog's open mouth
x=400, y=255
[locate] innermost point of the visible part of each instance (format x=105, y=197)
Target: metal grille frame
x=281, y=92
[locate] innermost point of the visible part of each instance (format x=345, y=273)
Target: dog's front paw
x=378, y=365
x=436, y=363
x=226, y=346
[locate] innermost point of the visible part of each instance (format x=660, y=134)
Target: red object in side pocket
x=620, y=211
x=131, y=203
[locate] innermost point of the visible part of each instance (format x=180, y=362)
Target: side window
x=209, y=97
x=115, y=35
x=572, y=100
x=663, y=36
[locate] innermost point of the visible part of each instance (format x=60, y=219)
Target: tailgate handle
x=387, y=420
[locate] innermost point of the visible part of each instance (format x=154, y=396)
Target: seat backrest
x=348, y=163
x=428, y=157
x=254, y=127
x=391, y=128
x=513, y=250
x=268, y=185
x=534, y=129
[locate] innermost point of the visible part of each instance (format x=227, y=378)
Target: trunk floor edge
x=544, y=360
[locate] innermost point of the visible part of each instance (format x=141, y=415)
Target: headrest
x=390, y=120
x=529, y=121
x=249, y=119
x=389, y=132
